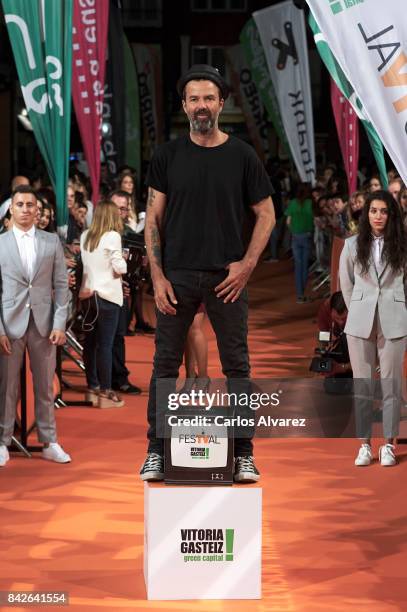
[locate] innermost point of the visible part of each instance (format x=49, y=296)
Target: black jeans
x=229, y=321
x=98, y=345
x=120, y=373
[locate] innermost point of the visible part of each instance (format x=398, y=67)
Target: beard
x=200, y=124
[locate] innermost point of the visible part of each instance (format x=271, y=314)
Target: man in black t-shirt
x=200, y=187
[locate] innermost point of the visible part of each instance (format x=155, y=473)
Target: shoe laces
x=245, y=464
x=153, y=461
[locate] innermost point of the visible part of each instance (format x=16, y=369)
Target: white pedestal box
x=202, y=542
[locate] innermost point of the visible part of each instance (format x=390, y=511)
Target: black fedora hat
x=203, y=72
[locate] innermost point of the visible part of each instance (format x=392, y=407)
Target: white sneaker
x=364, y=455
x=387, y=456
x=55, y=452
x=4, y=456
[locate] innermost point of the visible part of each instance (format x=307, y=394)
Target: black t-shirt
x=208, y=190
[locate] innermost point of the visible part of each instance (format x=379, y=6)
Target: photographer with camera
x=334, y=360
x=120, y=373
x=103, y=265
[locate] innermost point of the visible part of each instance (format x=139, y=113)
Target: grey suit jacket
x=364, y=292
x=46, y=294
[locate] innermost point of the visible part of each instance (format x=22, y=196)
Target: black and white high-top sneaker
x=153, y=467
x=245, y=470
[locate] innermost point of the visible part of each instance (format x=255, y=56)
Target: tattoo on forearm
x=156, y=245
x=150, y=198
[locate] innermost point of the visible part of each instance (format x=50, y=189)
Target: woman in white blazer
x=103, y=265
x=373, y=275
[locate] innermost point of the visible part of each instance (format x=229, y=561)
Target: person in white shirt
x=372, y=273
x=103, y=265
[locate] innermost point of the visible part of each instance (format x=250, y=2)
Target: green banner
x=132, y=112
x=254, y=53
x=347, y=90
x=41, y=37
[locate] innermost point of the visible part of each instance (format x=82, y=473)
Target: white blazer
x=103, y=267
x=363, y=293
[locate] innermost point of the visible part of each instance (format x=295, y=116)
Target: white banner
x=282, y=33
x=367, y=39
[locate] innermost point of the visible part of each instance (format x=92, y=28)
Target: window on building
x=219, y=6
x=214, y=56
x=142, y=13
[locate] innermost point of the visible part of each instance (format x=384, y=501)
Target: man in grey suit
x=34, y=305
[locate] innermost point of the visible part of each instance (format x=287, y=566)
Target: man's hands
x=57, y=337
x=164, y=296
x=229, y=289
x=5, y=346
x=235, y=282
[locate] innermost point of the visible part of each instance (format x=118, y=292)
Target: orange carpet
x=335, y=536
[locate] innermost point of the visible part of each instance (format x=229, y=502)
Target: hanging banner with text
x=256, y=60
x=348, y=92
x=347, y=126
x=249, y=101
x=114, y=126
x=368, y=40
x=148, y=62
x=88, y=78
x=282, y=33
x=41, y=38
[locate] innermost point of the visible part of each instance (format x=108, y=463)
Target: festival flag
x=256, y=60
x=148, y=62
x=114, y=126
x=347, y=127
x=249, y=100
x=282, y=33
x=132, y=154
x=41, y=39
x=88, y=77
x=362, y=47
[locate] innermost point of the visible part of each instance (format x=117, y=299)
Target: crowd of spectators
x=308, y=218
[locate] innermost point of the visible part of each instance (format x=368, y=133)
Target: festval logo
x=337, y=6
x=207, y=545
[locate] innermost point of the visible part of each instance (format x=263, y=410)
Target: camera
x=329, y=351
x=136, y=271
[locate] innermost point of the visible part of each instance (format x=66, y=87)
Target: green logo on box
x=207, y=545
x=230, y=535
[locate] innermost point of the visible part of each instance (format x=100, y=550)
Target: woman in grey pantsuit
x=373, y=277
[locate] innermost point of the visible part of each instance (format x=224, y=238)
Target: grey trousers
x=42, y=361
x=364, y=354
